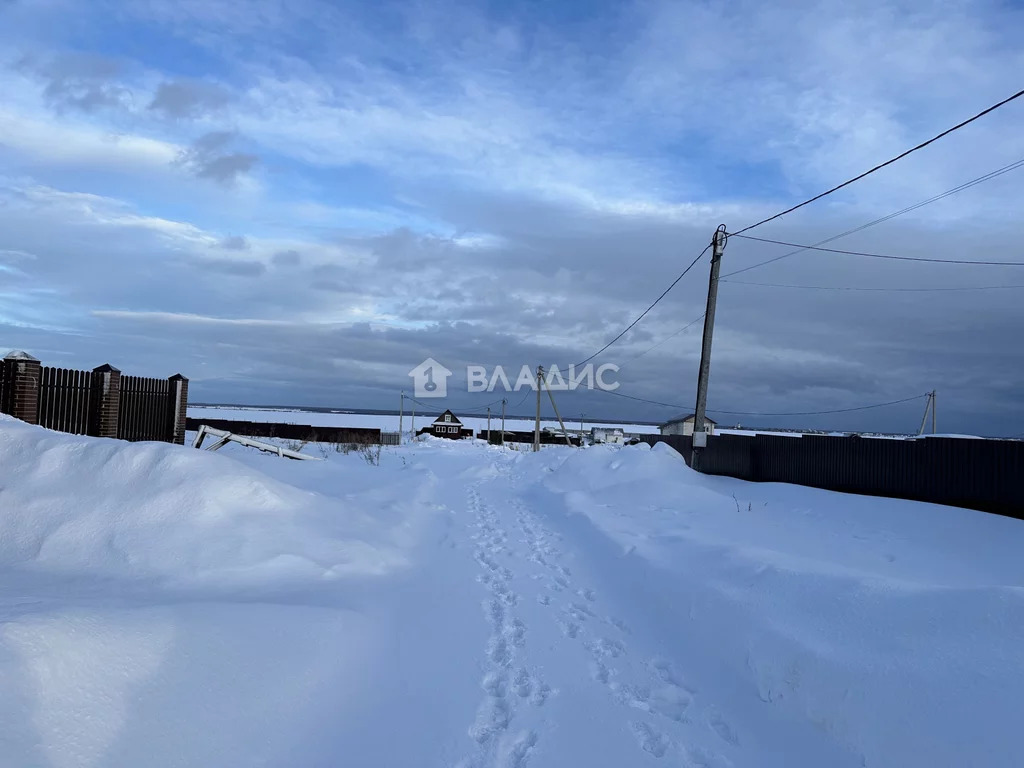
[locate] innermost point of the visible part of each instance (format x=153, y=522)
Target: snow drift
x=893, y=626
x=78, y=505
x=463, y=605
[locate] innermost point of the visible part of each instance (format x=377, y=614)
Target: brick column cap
x=106, y=368
x=177, y=377
x=17, y=354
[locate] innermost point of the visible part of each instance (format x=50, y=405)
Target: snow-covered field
x=390, y=423
x=461, y=605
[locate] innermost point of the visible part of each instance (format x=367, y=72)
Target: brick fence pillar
x=24, y=372
x=178, y=408
x=104, y=401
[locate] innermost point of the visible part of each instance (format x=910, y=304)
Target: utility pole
x=401, y=408
x=929, y=405
x=699, y=435
x=503, y=401
x=581, y=427
x=565, y=432
x=413, y=425
x=536, y=425
x=488, y=425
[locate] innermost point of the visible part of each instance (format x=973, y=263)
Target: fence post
x=104, y=401
x=23, y=374
x=178, y=408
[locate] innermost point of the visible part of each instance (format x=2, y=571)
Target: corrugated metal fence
x=980, y=474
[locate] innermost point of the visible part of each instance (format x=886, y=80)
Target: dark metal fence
x=6, y=374
x=526, y=436
x=304, y=432
x=100, y=402
x=64, y=397
x=979, y=474
x=143, y=412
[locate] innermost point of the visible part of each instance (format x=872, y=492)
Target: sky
x=295, y=203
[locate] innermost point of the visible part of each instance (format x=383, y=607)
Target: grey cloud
x=238, y=268
x=86, y=82
x=235, y=243
x=180, y=99
x=550, y=296
x=209, y=158
x=288, y=258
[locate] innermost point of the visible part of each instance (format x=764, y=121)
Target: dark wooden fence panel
x=64, y=397
x=143, y=409
x=5, y=387
x=305, y=432
x=979, y=474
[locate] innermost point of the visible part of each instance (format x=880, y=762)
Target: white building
x=683, y=425
x=607, y=435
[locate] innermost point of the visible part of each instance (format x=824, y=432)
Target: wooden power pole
x=503, y=401
x=488, y=425
x=401, y=408
x=699, y=435
x=536, y=425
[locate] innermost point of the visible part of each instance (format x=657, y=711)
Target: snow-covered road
x=460, y=605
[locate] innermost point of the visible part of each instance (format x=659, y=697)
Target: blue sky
x=296, y=202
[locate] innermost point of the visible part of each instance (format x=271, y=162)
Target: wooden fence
x=978, y=474
x=100, y=402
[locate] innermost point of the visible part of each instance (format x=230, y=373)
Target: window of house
x=447, y=417
x=452, y=429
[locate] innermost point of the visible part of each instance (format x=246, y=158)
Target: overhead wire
x=854, y=288
x=668, y=338
x=652, y=306
x=881, y=255
x=754, y=413
x=888, y=162
x=882, y=219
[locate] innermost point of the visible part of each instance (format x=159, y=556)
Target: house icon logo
x=430, y=379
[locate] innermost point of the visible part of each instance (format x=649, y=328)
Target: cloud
x=235, y=267
x=512, y=189
x=79, y=81
x=208, y=158
x=182, y=99
x=234, y=243
x=289, y=258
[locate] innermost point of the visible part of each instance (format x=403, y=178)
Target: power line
x=820, y=413
x=881, y=220
x=878, y=167
x=436, y=406
x=751, y=413
x=851, y=288
x=879, y=255
x=653, y=305
x=668, y=338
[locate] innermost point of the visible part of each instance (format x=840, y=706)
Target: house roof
x=454, y=419
x=687, y=417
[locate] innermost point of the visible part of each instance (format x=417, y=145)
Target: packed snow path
x=461, y=605
x=564, y=678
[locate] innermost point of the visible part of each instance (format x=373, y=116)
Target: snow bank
x=77, y=505
x=894, y=626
